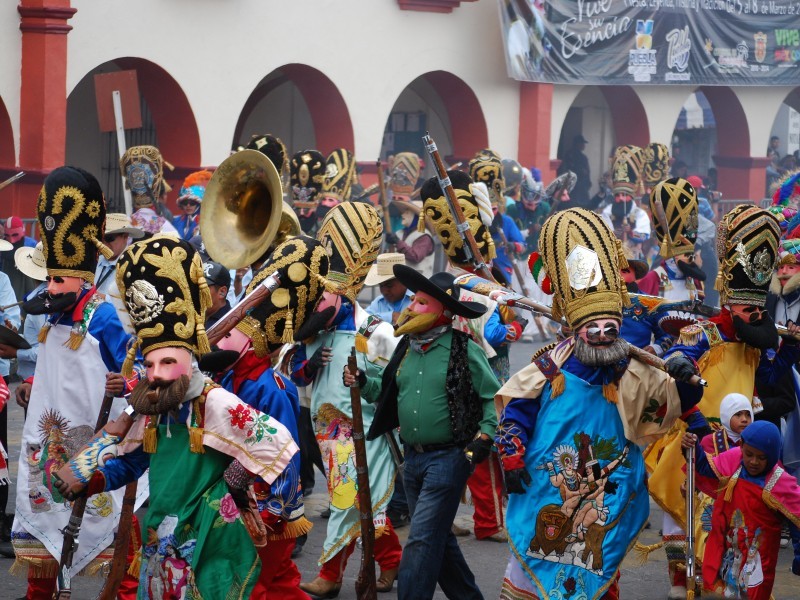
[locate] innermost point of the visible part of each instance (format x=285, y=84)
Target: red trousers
x=387, y=554
x=43, y=588
x=486, y=486
x=279, y=578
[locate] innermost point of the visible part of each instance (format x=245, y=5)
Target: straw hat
x=121, y=223
x=382, y=269
x=31, y=262
x=5, y=245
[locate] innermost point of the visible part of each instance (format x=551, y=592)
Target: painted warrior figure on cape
x=571, y=422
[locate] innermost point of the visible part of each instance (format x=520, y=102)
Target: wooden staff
x=119, y=564
x=387, y=218
x=231, y=318
x=365, y=584
x=690, y=507
x=11, y=179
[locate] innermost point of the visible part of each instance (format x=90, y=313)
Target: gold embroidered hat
x=71, y=212
x=655, y=167
x=143, y=169
x=673, y=204
x=162, y=284
x=351, y=234
x=626, y=174
x=274, y=149
x=302, y=264
x=404, y=172
x=340, y=169
x=487, y=167
x=306, y=175
x=582, y=258
x=747, y=246
x=436, y=213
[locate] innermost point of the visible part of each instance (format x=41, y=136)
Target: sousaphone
x=242, y=208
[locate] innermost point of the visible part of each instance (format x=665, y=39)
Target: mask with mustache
x=762, y=334
x=413, y=322
x=620, y=210
x=601, y=355
x=43, y=303
x=159, y=397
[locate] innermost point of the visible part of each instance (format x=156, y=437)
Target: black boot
x=6, y=549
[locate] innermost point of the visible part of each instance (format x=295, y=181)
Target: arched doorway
x=167, y=122
x=783, y=146
x=444, y=105
x=317, y=114
x=7, y=155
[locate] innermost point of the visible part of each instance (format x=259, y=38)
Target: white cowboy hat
x=31, y=262
x=381, y=270
x=121, y=223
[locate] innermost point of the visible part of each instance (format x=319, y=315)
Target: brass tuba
x=242, y=209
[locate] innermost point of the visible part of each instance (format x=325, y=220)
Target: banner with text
x=623, y=42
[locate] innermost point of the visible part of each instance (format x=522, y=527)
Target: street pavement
x=487, y=559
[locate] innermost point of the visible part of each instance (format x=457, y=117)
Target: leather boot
x=321, y=588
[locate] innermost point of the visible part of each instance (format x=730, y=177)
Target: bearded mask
x=424, y=313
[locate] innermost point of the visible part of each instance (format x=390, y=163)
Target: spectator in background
x=219, y=280
x=394, y=296
x=15, y=232
x=680, y=169
x=189, y=200
x=119, y=234
x=603, y=196
x=773, y=149
x=575, y=160
x=15, y=235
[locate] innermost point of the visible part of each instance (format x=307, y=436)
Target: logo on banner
x=642, y=60
x=761, y=46
x=679, y=46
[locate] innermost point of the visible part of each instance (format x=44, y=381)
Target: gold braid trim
x=643, y=551
x=85, y=275
x=42, y=337
x=542, y=350
x=292, y=530
x=610, y=392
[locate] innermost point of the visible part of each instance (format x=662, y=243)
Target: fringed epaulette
x=364, y=332
x=551, y=372
x=542, y=350
x=198, y=419
x=691, y=335
x=81, y=328
x=730, y=484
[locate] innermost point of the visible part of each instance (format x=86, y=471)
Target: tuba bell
x=241, y=209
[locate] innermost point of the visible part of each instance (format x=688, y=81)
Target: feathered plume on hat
x=194, y=186
x=675, y=200
x=785, y=199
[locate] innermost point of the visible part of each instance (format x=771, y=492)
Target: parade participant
x=5, y=481
x=142, y=168
x=734, y=353
x=404, y=170
x=15, y=233
x=438, y=389
x=189, y=200
x=756, y=495
x=306, y=175
x=557, y=191
x=512, y=175
x=351, y=232
x=572, y=421
x=15, y=236
x=628, y=221
x=203, y=446
x=655, y=167
x=340, y=168
x=82, y=349
x=676, y=277
x=262, y=332
x=413, y=241
x=119, y=234
x=218, y=279
x=394, y=296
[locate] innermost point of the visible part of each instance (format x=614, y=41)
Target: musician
x=339, y=325
x=628, y=221
x=142, y=168
x=81, y=352
x=567, y=494
x=189, y=200
x=437, y=387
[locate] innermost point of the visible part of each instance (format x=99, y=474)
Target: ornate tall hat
x=747, y=246
x=303, y=267
x=487, y=167
x=274, y=149
x=675, y=201
x=351, y=233
x=404, y=171
x=306, y=175
x=143, y=169
x=626, y=174
x=582, y=259
x=436, y=212
x=72, y=213
x=340, y=168
x=512, y=173
x=655, y=167
x=194, y=186
x=162, y=284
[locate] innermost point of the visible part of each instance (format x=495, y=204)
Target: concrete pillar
x=535, y=115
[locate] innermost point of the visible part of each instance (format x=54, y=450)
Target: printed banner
x=624, y=42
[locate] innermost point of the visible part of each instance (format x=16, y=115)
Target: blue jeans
x=434, y=482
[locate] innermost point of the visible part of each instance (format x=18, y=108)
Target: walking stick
x=118, y=563
x=691, y=582
x=71, y=531
x=365, y=584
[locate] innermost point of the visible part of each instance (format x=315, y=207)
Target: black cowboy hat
x=441, y=287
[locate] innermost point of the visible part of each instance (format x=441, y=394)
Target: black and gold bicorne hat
x=655, y=163
x=436, y=213
x=306, y=175
x=143, y=169
x=274, y=149
x=747, y=246
x=351, y=234
x=340, y=169
x=302, y=264
x=626, y=174
x=403, y=175
x=71, y=212
x=162, y=284
x=487, y=167
x=678, y=205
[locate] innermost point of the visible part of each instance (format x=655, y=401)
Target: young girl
x=754, y=498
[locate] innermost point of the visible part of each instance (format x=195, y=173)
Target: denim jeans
x=434, y=482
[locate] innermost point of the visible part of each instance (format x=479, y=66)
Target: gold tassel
x=196, y=440
x=136, y=564
x=203, y=347
x=34, y=567
x=421, y=222
x=718, y=282
x=557, y=385
x=130, y=357
x=107, y=252
x=293, y=530
x=643, y=551
x=610, y=392
x=729, y=488
x=361, y=344
x=42, y=337
x=288, y=329
x=74, y=341
x=150, y=442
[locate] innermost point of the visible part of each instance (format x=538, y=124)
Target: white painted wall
x=10, y=69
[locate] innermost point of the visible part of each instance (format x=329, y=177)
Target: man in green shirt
x=439, y=389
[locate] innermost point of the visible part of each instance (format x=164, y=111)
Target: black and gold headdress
x=340, y=169
x=274, y=149
x=307, y=174
x=675, y=201
x=626, y=174
x=487, y=167
x=655, y=163
x=404, y=173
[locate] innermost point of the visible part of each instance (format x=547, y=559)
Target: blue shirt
x=12, y=314
x=383, y=309
x=512, y=233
